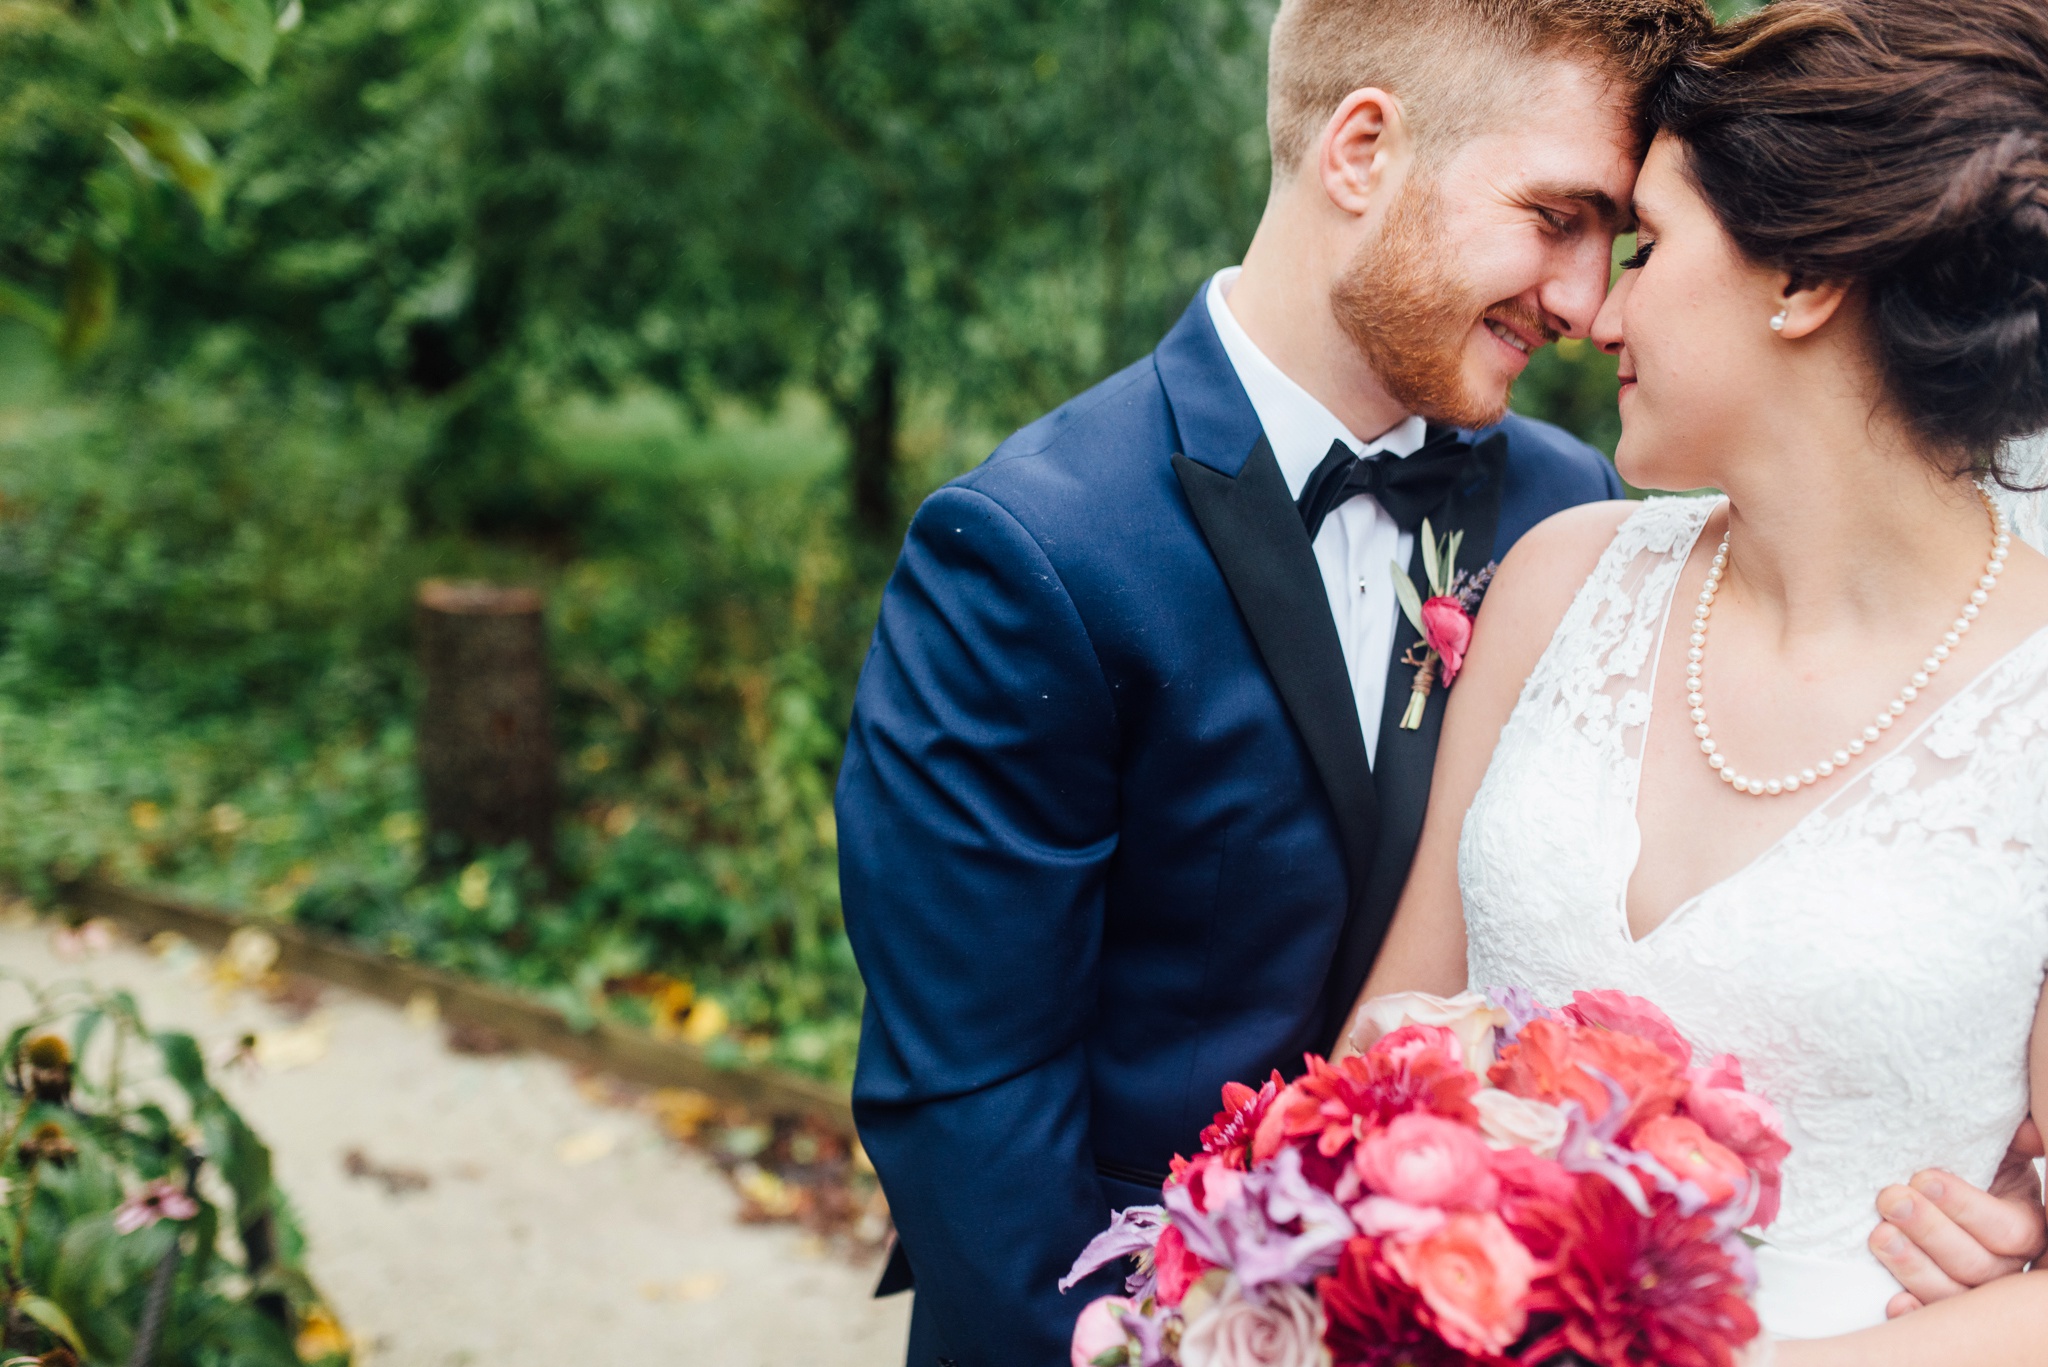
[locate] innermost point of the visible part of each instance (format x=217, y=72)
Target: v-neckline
x=1813, y=814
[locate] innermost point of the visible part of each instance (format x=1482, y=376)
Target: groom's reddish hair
x=1450, y=62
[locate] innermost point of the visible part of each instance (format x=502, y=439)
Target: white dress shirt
x=1358, y=543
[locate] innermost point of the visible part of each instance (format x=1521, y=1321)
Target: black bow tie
x=1409, y=487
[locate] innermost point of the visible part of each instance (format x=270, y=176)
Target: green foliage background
x=302, y=301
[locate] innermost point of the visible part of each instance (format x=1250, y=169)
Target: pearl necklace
x=2001, y=541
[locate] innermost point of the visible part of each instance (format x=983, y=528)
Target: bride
x=1778, y=760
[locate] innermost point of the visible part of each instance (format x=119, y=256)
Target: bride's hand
x=1941, y=1236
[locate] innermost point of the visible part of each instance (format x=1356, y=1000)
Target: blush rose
x=1281, y=1327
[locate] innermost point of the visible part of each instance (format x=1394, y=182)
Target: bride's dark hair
x=1900, y=146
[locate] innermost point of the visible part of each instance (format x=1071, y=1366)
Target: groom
x=1128, y=798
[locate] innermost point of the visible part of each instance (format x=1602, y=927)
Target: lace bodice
x=1876, y=970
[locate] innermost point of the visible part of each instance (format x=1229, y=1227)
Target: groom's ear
x=1808, y=305
x=1365, y=151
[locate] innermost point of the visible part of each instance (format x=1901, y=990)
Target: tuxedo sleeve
x=977, y=810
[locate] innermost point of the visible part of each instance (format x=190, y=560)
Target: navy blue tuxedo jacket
x=1108, y=835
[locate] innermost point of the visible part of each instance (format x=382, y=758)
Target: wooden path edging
x=612, y=1048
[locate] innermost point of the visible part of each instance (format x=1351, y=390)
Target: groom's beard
x=1411, y=318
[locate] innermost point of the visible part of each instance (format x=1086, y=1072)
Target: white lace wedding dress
x=1876, y=970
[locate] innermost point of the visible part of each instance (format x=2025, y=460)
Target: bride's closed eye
x=1640, y=257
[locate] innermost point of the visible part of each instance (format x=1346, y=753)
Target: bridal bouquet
x=1491, y=1183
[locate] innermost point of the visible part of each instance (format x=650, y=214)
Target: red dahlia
x=1416, y=1068
x=1640, y=1293
x=1229, y=1136
x=1377, y=1320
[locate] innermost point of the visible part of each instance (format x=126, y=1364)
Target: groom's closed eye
x=1562, y=206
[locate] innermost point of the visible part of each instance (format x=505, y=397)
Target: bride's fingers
x=1905, y=1303
x=2006, y=1221
x=1911, y=1266
x=1960, y=1251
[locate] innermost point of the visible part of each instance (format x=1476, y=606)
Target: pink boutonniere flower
x=1443, y=620
x=1447, y=628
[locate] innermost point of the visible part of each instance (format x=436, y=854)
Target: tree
x=1004, y=201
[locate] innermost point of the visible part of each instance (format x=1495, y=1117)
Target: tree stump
x=486, y=742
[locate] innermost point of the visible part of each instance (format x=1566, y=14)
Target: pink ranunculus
x=1682, y=1146
x=1525, y=1176
x=1743, y=1123
x=1425, y=1160
x=1382, y=1217
x=1280, y=1327
x=1447, y=627
x=1099, y=1329
x=1631, y=1016
x=1212, y=1181
x=1178, y=1267
x=1474, y=1276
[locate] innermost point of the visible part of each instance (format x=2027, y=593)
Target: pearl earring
x=1778, y=322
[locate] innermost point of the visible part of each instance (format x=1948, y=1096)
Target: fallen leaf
x=294, y=994
x=706, y=1022
x=422, y=1010
x=588, y=1147
x=681, y=1111
x=672, y=1009
x=251, y=953
x=700, y=1287
x=774, y=1197
x=467, y=1037
x=281, y=1051
x=320, y=1335
x=395, y=1181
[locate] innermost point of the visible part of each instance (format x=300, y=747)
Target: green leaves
x=1411, y=601
x=47, y=1314
x=243, y=32
x=82, y=1281
x=161, y=146
x=89, y=293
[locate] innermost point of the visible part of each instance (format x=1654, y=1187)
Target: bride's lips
x=1628, y=384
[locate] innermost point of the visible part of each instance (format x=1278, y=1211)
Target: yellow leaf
x=766, y=1190
x=579, y=1150
x=681, y=1111
x=280, y=1051
x=321, y=1336
x=671, y=1009
x=707, y=1021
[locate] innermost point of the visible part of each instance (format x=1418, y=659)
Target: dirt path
x=496, y=1216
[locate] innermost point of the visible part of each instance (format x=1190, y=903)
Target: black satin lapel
x=1255, y=533
x=1404, y=761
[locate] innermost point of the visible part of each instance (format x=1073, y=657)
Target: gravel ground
x=488, y=1211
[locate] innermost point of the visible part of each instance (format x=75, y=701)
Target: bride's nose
x=1607, y=333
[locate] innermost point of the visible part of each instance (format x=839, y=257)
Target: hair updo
x=1900, y=146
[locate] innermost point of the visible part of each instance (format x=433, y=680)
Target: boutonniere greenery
x=1443, y=620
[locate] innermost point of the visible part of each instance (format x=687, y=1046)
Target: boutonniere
x=1443, y=620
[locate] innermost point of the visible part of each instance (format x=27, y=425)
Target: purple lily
x=1521, y=1006
x=1282, y=1228
x=1134, y=1230
x=1150, y=1333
